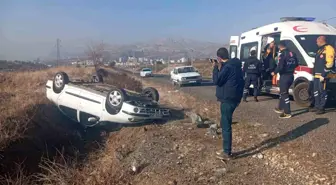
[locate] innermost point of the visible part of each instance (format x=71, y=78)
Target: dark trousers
x=286, y=81
x=254, y=80
x=311, y=93
x=320, y=94
x=227, y=110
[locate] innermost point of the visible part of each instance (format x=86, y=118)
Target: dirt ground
x=177, y=151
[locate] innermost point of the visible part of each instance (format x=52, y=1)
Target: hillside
x=174, y=48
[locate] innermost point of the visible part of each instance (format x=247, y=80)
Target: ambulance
x=300, y=34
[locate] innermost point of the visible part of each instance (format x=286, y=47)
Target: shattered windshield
x=308, y=42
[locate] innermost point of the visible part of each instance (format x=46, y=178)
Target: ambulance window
x=233, y=51
x=245, y=49
x=291, y=46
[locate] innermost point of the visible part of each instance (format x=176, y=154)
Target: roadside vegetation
x=40, y=146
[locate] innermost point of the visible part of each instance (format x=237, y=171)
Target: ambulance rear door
x=233, y=50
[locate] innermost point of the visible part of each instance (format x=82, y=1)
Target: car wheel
x=115, y=99
x=151, y=93
x=300, y=94
x=60, y=79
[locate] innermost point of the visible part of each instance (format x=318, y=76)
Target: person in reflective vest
x=286, y=67
x=252, y=68
x=324, y=63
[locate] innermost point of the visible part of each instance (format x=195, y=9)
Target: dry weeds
x=20, y=95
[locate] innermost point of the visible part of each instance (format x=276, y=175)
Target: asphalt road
x=309, y=132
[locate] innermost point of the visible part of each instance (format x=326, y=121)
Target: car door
x=175, y=75
x=69, y=101
x=91, y=105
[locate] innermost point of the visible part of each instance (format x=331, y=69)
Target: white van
x=300, y=35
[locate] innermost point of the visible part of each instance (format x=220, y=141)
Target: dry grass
x=204, y=67
x=33, y=131
x=30, y=127
x=20, y=93
x=122, y=80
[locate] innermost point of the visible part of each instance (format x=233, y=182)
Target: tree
x=95, y=53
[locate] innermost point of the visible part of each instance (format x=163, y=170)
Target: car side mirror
x=92, y=120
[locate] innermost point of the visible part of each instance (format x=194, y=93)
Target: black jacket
x=252, y=66
x=229, y=81
x=287, y=62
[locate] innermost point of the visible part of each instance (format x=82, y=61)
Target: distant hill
x=20, y=66
x=168, y=47
x=174, y=48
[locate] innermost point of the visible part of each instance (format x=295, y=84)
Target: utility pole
x=58, y=45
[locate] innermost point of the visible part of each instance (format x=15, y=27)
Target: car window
x=308, y=42
x=146, y=69
x=186, y=70
x=292, y=47
x=246, y=48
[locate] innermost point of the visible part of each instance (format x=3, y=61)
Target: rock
x=260, y=156
x=220, y=171
x=209, y=122
x=214, y=126
x=314, y=155
x=213, y=178
x=135, y=166
x=174, y=182
x=291, y=169
x=213, y=130
x=264, y=135
x=195, y=118
x=118, y=155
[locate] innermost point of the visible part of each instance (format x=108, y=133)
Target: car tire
x=60, y=79
x=300, y=94
x=115, y=99
x=151, y=93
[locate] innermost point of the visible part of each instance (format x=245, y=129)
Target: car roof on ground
x=146, y=68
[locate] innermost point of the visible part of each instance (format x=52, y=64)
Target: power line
x=325, y=20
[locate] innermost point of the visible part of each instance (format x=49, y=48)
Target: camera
x=213, y=60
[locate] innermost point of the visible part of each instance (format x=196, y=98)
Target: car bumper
x=147, y=74
x=191, y=81
x=130, y=114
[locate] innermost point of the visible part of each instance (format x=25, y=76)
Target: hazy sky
x=29, y=28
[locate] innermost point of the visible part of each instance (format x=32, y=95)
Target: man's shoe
x=284, y=115
x=244, y=100
x=224, y=156
x=277, y=110
x=256, y=99
x=312, y=109
x=319, y=112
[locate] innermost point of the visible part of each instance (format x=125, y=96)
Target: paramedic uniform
x=286, y=67
x=324, y=63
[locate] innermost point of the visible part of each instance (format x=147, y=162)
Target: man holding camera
x=228, y=77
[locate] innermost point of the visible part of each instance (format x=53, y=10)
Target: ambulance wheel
x=301, y=95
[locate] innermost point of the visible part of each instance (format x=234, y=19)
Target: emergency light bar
x=284, y=19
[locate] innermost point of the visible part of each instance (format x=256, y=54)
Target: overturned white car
x=94, y=104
